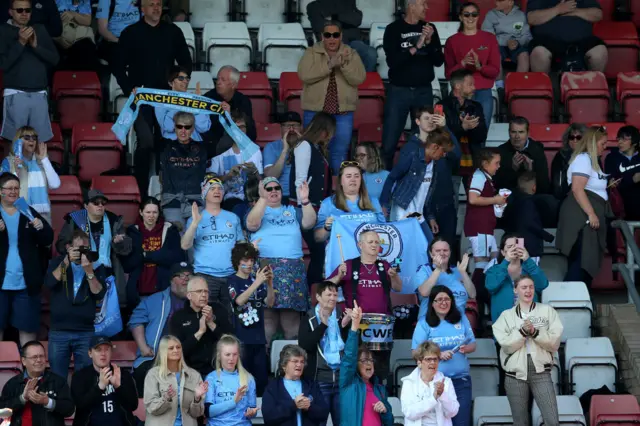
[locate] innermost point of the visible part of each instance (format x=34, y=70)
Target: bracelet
x=307, y=203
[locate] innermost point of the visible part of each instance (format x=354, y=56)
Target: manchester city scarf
x=185, y=102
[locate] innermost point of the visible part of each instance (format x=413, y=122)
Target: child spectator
x=622, y=164
x=370, y=159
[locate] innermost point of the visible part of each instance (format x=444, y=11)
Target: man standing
x=27, y=54
x=146, y=52
x=43, y=12
x=413, y=48
x=276, y=154
x=37, y=397
x=104, y=394
x=199, y=326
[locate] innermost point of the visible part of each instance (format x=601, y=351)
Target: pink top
x=370, y=417
x=370, y=292
x=485, y=45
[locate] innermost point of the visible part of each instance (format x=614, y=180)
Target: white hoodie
x=418, y=402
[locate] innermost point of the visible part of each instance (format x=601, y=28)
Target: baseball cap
x=266, y=181
x=290, y=116
x=179, y=268
x=95, y=193
x=99, y=340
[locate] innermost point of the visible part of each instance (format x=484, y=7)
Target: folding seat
x=370, y=133
x=78, y=96
x=491, y=410
x=276, y=348
x=65, y=199
x=55, y=146
x=550, y=135
x=10, y=364
x=396, y=409
x=550, y=247
x=282, y=47
x=370, y=101
x=497, y=135
x=117, y=99
x=258, y=12
x=227, y=43
x=205, y=80
x=438, y=11
x=622, y=43
x=446, y=29
x=376, y=11
x=302, y=13
x=203, y=11
x=556, y=373
x=189, y=37
x=401, y=362
x=628, y=95
x=609, y=410
x=485, y=369
x=96, y=149
x=590, y=363
x=256, y=86
x=376, y=40
x=530, y=95
x=572, y=301
x=268, y=132
x=290, y=91
x=585, y=96
x=569, y=412
x=123, y=195
x=141, y=411
x=124, y=353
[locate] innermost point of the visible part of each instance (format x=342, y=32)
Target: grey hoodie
x=505, y=27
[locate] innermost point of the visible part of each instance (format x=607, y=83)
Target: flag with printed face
x=402, y=240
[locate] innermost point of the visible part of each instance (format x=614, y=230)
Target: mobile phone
x=438, y=110
x=520, y=243
x=264, y=262
x=457, y=348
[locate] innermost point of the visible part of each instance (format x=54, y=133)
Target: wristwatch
x=90, y=276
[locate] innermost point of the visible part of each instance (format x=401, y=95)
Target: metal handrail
x=627, y=270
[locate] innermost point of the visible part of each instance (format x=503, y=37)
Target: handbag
x=72, y=33
x=108, y=321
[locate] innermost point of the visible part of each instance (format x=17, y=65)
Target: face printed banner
x=181, y=101
x=401, y=240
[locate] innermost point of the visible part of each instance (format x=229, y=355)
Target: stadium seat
x=622, y=43
x=438, y=11
x=403, y=299
x=554, y=266
x=491, y=410
x=267, y=132
x=205, y=80
x=282, y=47
x=484, y=368
x=258, y=12
x=117, y=99
x=276, y=348
x=590, y=363
x=189, y=37
x=302, y=13
x=141, y=412
x=55, y=146
x=573, y=304
x=203, y=11
x=569, y=411
x=376, y=11
x=628, y=95
x=376, y=36
x=65, y=199
x=123, y=195
x=258, y=419
x=529, y=95
x=227, y=43
x=78, y=96
x=585, y=96
x=550, y=135
x=556, y=373
x=124, y=353
x=608, y=7
x=609, y=410
x=446, y=29
x=400, y=353
x=370, y=101
x=10, y=364
x=497, y=135
x=256, y=86
x=290, y=91
x=96, y=149
x=634, y=8
x=396, y=409
x=607, y=280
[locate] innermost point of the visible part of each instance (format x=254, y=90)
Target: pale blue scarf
x=332, y=344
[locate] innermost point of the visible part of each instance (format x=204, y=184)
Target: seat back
x=205, y=80
x=484, y=369
x=276, y=348
x=55, y=145
x=621, y=39
x=371, y=101
x=572, y=301
x=556, y=373
x=489, y=410
x=96, y=149
x=65, y=199
x=438, y=11
x=628, y=94
x=78, y=95
x=189, y=37
x=569, y=411
x=398, y=299
x=267, y=132
x=396, y=409
x=227, y=43
x=258, y=419
x=530, y=95
x=497, y=135
x=446, y=29
x=282, y=47
x=590, y=363
x=585, y=96
x=550, y=135
x=123, y=195
x=375, y=11
x=117, y=99
x=9, y=356
x=256, y=86
x=260, y=12
x=614, y=410
x=290, y=91
x=203, y=11
x=124, y=353
x=376, y=39
x=370, y=133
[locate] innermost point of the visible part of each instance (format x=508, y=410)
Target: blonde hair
x=161, y=357
x=589, y=144
x=229, y=339
x=340, y=200
x=24, y=130
x=426, y=348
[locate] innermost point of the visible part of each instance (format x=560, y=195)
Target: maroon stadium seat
x=10, y=364
x=585, y=96
x=608, y=7
x=78, y=96
x=256, y=86
x=438, y=11
x=622, y=43
x=123, y=195
x=373, y=133
x=267, y=132
x=628, y=95
x=614, y=410
x=550, y=135
x=55, y=146
x=371, y=101
x=530, y=95
x=290, y=91
x=124, y=353
x=634, y=8
x=65, y=199
x=485, y=6
x=96, y=150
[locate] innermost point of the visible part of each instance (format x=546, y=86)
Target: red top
x=485, y=45
x=370, y=292
x=480, y=219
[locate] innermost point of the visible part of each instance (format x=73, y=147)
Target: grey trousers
x=26, y=109
x=544, y=393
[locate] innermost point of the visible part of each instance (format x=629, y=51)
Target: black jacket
x=145, y=55
x=559, y=166
x=30, y=243
x=279, y=409
x=54, y=386
x=198, y=354
x=344, y=11
x=87, y=394
x=507, y=177
x=43, y=12
x=523, y=217
x=620, y=167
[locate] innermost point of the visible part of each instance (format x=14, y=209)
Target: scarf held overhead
x=185, y=102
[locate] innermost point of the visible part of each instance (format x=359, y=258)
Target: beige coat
x=314, y=72
x=163, y=413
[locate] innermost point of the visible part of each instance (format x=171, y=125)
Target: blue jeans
x=331, y=393
x=462, y=386
x=64, y=343
x=486, y=100
x=341, y=141
x=368, y=54
x=400, y=101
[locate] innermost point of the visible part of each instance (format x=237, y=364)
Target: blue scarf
x=185, y=102
x=331, y=343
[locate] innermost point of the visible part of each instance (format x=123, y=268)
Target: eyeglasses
x=184, y=126
x=366, y=360
x=292, y=126
x=33, y=138
x=349, y=164
x=183, y=277
x=329, y=35
x=99, y=202
x=183, y=78
x=430, y=360
x=442, y=300
x=470, y=14
x=34, y=357
x=23, y=9
x=200, y=292
x=273, y=188
x=361, y=155
x=575, y=137
x=11, y=188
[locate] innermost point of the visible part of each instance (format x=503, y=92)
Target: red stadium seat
x=403, y=299
x=123, y=195
x=371, y=101
x=78, y=96
x=614, y=410
x=140, y=412
x=585, y=96
x=55, y=146
x=96, y=150
x=290, y=91
x=373, y=133
x=628, y=95
x=608, y=7
x=612, y=133
x=256, y=86
x=622, y=43
x=530, y=95
x=267, y=132
x=124, y=353
x=65, y=199
x=10, y=364
x=550, y=135
x=438, y=11
x=634, y=8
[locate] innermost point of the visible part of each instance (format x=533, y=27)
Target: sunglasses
x=183, y=78
x=329, y=35
x=30, y=138
x=23, y=10
x=273, y=188
x=349, y=164
x=99, y=202
x=184, y=126
x=470, y=14
x=575, y=137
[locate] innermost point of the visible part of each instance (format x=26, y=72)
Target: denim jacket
x=405, y=178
